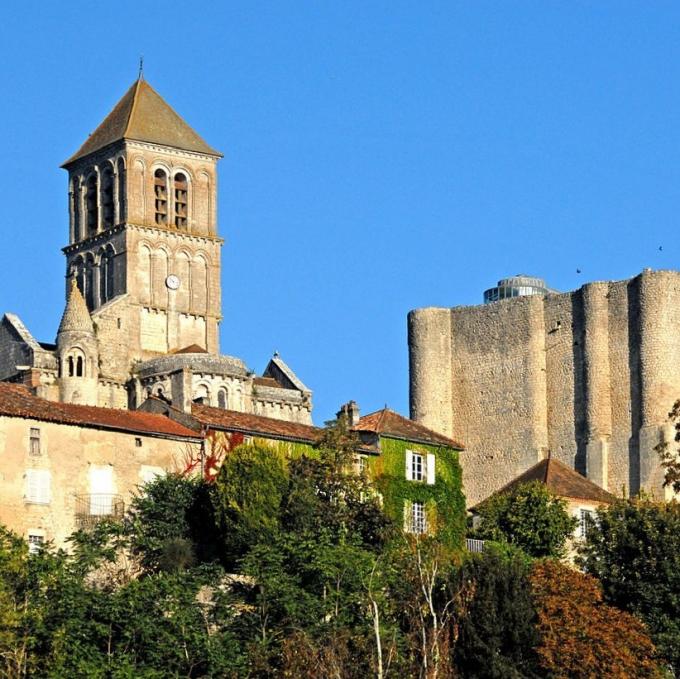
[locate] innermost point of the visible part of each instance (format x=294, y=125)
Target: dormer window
x=160, y=183
x=181, y=192
x=107, y=197
x=91, y=204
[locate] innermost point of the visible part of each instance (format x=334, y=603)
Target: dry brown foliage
x=580, y=635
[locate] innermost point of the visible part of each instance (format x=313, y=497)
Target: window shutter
x=430, y=468
x=408, y=516
x=409, y=465
x=38, y=486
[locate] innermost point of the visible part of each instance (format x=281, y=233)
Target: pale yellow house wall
x=69, y=452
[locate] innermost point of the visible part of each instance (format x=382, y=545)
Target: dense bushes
x=321, y=585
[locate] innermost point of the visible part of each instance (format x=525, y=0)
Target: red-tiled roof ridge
x=561, y=479
x=255, y=424
x=17, y=401
x=391, y=423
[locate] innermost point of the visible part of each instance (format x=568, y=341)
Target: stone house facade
x=65, y=466
x=143, y=267
x=587, y=377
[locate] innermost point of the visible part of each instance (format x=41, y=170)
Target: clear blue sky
x=379, y=156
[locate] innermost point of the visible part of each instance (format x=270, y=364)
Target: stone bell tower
x=143, y=244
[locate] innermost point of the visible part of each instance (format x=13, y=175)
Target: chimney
x=350, y=411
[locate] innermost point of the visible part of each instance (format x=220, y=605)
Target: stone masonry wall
x=69, y=453
x=589, y=376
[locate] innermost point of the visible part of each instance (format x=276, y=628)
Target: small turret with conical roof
x=77, y=352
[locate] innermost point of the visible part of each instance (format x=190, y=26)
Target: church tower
x=143, y=245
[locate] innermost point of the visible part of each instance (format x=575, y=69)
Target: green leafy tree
x=327, y=491
x=171, y=524
x=496, y=619
x=670, y=453
x=248, y=494
x=528, y=516
x=633, y=549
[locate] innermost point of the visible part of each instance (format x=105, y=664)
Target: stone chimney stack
x=349, y=410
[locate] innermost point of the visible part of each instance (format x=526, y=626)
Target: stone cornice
x=170, y=150
x=97, y=238
x=103, y=236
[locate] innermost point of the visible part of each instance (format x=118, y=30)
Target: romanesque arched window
x=79, y=272
x=90, y=286
x=71, y=366
x=79, y=366
x=106, y=275
x=122, y=195
x=109, y=273
x=107, y=197
x=91, y=204
x=160, y=185
x=181, y=200
x=75, y=197
x=222, y=398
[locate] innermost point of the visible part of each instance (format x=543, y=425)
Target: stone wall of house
x=588, y=375
x=72, y=455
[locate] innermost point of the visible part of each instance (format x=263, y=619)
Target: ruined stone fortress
x=143, y=279
x=587, y=377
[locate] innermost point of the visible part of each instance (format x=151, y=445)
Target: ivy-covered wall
x=444, y=500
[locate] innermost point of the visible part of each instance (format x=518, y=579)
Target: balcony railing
x=475, y=546
x=93, y=507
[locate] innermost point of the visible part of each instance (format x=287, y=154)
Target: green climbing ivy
x=444, y=500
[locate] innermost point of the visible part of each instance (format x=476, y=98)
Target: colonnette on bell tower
x=143, y=279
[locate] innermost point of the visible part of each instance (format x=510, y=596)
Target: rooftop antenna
x=141, y=67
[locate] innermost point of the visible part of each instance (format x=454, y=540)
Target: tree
x=528, y=516
x=326, y=490
x=582, y=637
x=633, y=549
x=170, y=524
x=495, y=635
x=248, y=493
x=670, y=454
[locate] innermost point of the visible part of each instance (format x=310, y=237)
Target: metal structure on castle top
x=520, y=285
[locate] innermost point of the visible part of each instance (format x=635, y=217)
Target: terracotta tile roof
x=393, y=424
x=561, y=480
x=143, y=115
x=257, y=425
x=17, y=401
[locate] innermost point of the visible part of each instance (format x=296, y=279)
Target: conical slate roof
x=143, y=115
x=76, y=316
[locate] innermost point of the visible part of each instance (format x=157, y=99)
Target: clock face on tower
x=172, y=281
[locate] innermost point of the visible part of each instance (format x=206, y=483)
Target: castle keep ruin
x=587, y=377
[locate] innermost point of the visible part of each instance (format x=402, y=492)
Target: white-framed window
x=415, y=518
x=34, y=442
x=36, y=539
x=586, y=518
x=417, y=467
x=38, y=486
x=420, y=467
